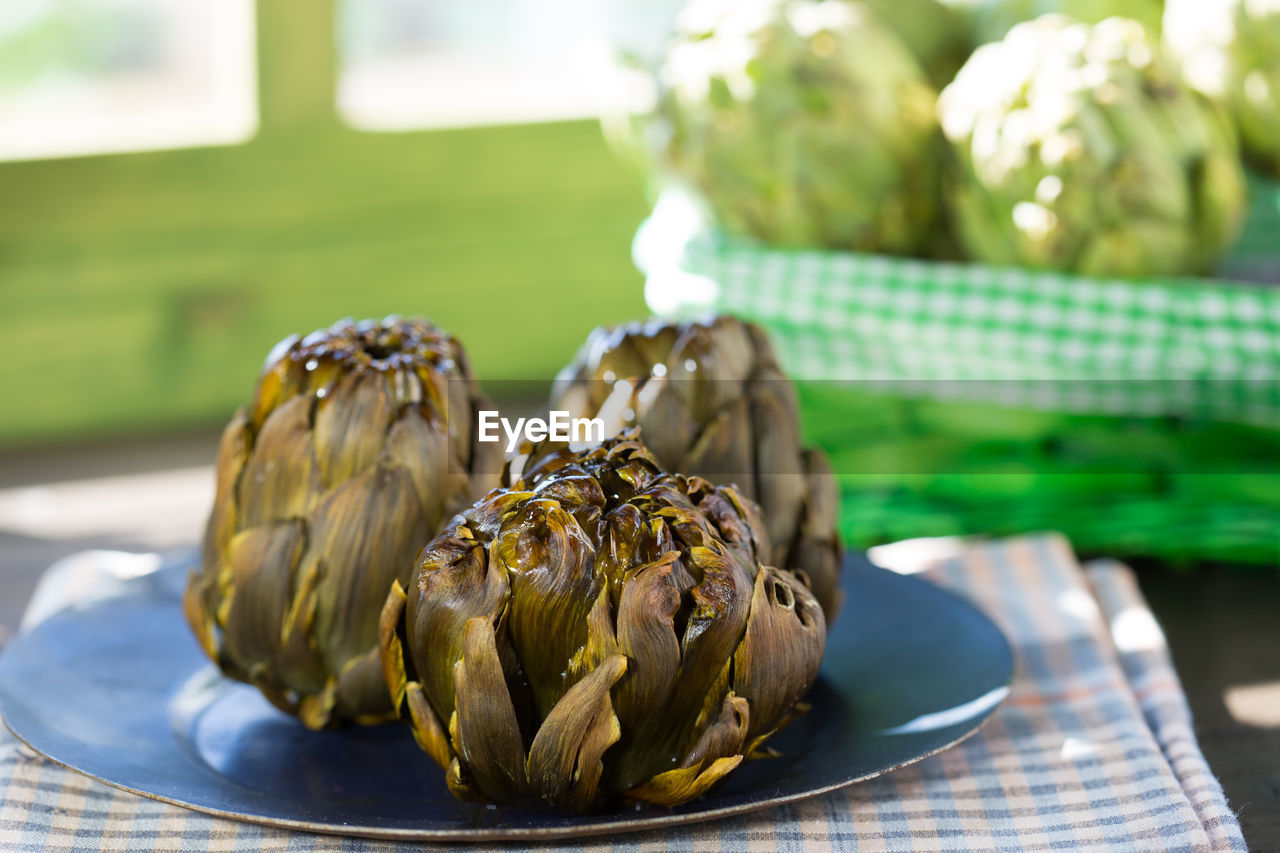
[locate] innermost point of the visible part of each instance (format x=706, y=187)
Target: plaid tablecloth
x=1092, y=750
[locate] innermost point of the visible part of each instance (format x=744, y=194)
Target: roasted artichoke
x=1230, y=50
x=712, y=401
x=357, y=447
x=1076, y=147
x=602, y=630
x=801, y=123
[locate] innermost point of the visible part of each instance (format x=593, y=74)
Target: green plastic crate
x=1141, y=417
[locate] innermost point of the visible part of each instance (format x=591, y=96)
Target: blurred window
x=439, y=63
x=99, y=76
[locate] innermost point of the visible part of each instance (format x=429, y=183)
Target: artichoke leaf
x=427, y=730
x=485, y=464
x=316, y=709
x=625, y=537
x=278, y=696
x=781, y=650
x=816, y=553
x=421, y=448
x=261, y=561
x=665, y=419
x=779, y=464
x=391, y=647
x=722, y=453
x=724, y=736
x=564, y=764
x=602, y=639
x=580, y=494
x=461, y=585
x=459, y=413
x=674, y=787
x=281, y=479
x=361, y=686
x=233, y=451
x=198, y=615
x=647, y=636
x=739, y=525
x=351, y=425
x=553, y=588
x=715, y=626
x=484, y=729
x=299, y=663
x=278, y=381
x=459, y=785
x=363, y=528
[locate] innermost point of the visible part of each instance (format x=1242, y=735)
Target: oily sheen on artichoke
x=1077, y=147
x=711, y=400
x=601, y=630
x=1230, y=51
x=801, y=124
x=357, y=446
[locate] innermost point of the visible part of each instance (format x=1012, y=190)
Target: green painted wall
x=142, y=291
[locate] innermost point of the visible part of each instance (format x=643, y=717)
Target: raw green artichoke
x=601, y=630
x=933, y=33
x=801, y=123
x=357, y=447
x=1076, y=147
x=712, y=401
x=1230, y=50
x=993, y=19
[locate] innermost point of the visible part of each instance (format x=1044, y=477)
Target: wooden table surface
x=1223, y=628
x=1222, y=622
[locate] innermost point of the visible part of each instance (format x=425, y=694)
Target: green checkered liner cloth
x=1005, y=335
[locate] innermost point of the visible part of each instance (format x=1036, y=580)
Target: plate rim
x=588, y=827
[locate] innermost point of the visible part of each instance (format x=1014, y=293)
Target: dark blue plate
x=119, y=691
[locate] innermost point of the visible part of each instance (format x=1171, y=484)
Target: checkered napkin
x=1093, y=749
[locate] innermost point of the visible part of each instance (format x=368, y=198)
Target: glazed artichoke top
x=613, y=486
x=709, y=362
x=602, y=628
x=395, y=362
x=394, y=395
